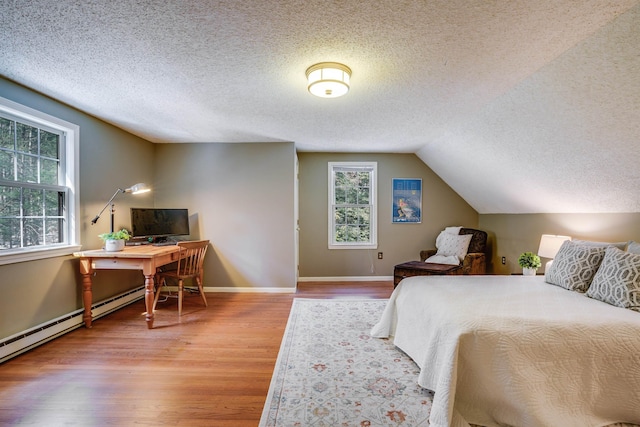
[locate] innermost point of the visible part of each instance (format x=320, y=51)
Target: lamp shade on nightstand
x=550, y=244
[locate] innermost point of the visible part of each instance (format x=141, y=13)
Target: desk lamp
x=134, y=189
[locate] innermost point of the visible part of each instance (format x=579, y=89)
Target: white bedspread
x=516, y=351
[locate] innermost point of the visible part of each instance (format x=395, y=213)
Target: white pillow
x=633, y=247
x=453, y=245
x=442, y=259
x=448, y=230
x=619, y=245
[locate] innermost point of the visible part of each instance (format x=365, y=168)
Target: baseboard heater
x=19, y=343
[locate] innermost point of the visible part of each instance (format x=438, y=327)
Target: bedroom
x=244, y=254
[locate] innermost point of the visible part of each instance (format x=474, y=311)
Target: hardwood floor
x=212, y=367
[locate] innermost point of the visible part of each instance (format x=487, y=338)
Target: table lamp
x=550, y=245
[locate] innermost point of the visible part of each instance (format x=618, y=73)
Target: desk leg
x=87, y=298
x=148, y=298
x=87, y=294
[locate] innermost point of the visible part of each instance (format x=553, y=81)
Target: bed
x=516, y=351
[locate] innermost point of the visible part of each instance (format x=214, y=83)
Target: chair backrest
x=478, y=243
x=191, y=257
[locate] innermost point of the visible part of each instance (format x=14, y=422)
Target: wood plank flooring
x=212, y=367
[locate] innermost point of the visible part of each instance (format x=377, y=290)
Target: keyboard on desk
x=165, y=244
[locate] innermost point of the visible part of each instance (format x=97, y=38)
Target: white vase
x=528, y=271
x=113, y=245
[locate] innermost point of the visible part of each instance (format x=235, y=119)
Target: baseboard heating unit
x=19, y=343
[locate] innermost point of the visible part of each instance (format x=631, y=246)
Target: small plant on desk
x=114, y=241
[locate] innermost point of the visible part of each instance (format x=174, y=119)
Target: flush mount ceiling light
x=328, y=79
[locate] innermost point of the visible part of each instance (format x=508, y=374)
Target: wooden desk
x=146, y=258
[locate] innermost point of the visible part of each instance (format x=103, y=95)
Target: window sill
x=36, y=254
x=372, y=246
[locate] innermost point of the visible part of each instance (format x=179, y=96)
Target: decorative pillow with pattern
x=453, y=245
x=617, y=281
x=575, y=265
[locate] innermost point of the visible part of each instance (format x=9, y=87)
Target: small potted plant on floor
x=114, y=241
x=529, y=262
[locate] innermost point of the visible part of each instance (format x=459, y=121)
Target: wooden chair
x=189, y=266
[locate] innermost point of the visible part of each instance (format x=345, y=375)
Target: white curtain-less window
x=352, y=205
x=37, y=185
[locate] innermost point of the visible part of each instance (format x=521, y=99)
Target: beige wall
x=241, y=197
x=38, y=291
x=510, y=235
x=441, y=207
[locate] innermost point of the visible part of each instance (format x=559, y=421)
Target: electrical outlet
x=379, y=255
x=504, y=260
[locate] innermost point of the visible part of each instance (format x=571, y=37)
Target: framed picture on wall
x=407, y=200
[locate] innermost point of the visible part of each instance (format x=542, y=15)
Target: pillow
x=442, y=259
x=633, y=247
x=617, y=281
x=453, y=245
x=448, y=230
x=619, y=245
x=575, y=265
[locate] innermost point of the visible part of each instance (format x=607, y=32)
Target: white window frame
x=372, y=167
x=70, y=180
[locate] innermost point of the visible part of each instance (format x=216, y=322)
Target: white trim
x=347, y=279
x=371, y=167
x=16, y=344
x=71, y=159
x=35, y=254
x=250, y=290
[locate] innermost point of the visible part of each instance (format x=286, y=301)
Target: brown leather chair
x=189, y=266
x=475, y=260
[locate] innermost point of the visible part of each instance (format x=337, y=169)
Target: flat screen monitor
x=159, y=223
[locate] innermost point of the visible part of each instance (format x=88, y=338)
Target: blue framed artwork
x=407, y=200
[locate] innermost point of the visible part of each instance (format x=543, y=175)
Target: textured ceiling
x=520, y=106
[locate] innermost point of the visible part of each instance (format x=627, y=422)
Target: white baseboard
x=346, y=279
x=250, y=290
x=18, y=343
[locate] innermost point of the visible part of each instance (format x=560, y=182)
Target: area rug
x=330, y=372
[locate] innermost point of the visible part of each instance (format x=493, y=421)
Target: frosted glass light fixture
x=328, y=79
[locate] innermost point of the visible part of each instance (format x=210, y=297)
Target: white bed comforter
x=516, y=351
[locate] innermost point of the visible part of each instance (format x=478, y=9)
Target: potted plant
x=529, y=262
x=114, y=241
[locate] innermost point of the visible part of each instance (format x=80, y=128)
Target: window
x=352, y=205
x=38, y=197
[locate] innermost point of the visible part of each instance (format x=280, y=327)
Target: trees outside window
x=36, y=181
x=352, y=205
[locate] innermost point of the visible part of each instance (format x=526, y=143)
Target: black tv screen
x=151, y=222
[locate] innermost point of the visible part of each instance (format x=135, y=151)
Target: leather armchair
x=475, y=260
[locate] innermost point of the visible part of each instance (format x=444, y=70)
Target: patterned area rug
x=330, y=372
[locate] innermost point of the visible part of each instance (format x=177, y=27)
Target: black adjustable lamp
x=134, y=189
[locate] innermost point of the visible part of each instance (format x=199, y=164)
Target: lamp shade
x=550, y=244
x=328, y=79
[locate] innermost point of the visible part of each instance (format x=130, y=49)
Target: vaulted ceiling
x=521, y=106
